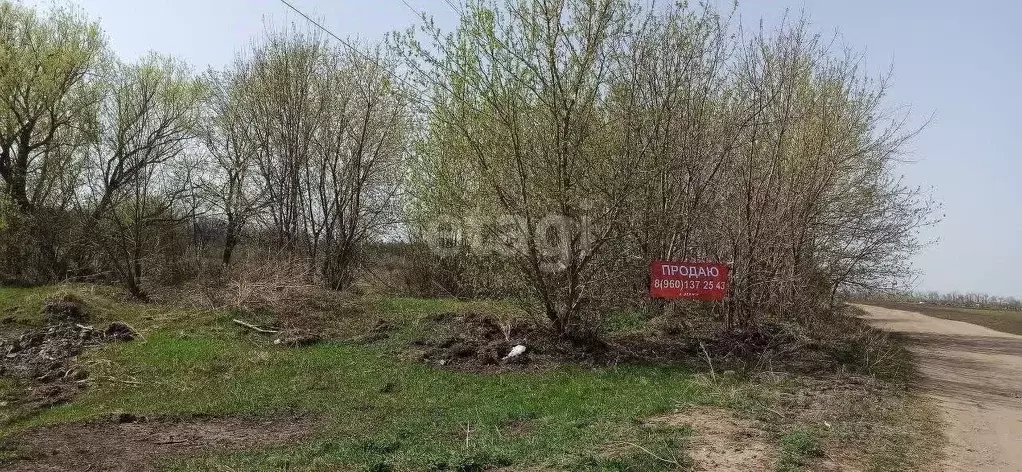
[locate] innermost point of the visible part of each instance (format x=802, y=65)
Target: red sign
x=688, y=280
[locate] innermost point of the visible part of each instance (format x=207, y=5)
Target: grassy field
x=366, y=406
x=1007, y=321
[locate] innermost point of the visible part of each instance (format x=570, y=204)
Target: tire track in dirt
x=975, y=374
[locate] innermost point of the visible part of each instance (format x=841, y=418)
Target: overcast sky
x=959, y=62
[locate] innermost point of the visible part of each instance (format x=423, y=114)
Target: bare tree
x=287, y=108
x=358, y=150
x=330, y=129
x=229, y=136
x=147, y=118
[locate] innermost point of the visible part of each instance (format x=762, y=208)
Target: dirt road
x=975, y=373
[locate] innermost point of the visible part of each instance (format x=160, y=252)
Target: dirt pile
x=67, y=308
x=479, y=342
x=44, y=360
x=119, y=331
x=472, y=340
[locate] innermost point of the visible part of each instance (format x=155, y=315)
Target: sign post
x=688, y=280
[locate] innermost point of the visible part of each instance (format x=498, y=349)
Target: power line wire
x=331, y=33
x=410, y=7
x=454, y=7
x=412, y=89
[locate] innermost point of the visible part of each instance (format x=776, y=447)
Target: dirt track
x=975, y=373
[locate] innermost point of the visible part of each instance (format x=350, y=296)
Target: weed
x=797, y=448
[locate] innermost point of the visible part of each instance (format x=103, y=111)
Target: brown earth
x=127, y=443
x=479, y=343
x=723, y=442
x=975, y=374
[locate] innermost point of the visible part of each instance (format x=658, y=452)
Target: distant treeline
x=955, y=299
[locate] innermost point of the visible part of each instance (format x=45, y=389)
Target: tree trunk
x=230, y=241
x=135, y=289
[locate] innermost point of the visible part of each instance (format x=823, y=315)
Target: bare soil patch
x=129, y=443
x=723, y=442
x=481, y=343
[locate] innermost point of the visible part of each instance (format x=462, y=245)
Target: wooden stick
x=708, y=361
x=254, y=327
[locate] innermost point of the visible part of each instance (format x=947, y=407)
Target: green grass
x=377, y=410
x=423, y=416
x=1006, y=321
x=104, y=304
x=16, y=304
x=419, y=420
x=798, y=447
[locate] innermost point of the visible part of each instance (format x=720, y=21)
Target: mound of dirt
x=479, y=342
x=119, y=331
x=68, y=308
x=45, y=359
x=138, y=444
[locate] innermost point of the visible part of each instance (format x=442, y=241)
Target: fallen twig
x=713, y=373
x=651, y=454
x=255, y=328
x=129, y=382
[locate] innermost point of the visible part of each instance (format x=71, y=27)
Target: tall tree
x=48, y=98
x=228, y=132
x=330, y=129
x=148, y=117
x=521, y=92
